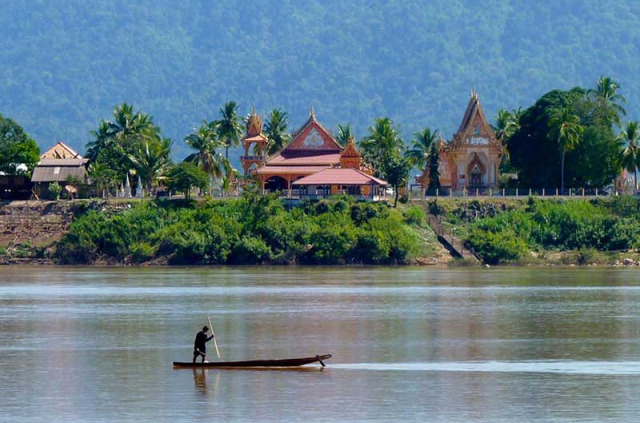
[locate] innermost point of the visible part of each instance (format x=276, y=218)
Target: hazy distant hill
x=65, y=65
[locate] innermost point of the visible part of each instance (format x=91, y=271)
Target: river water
x=408, y=344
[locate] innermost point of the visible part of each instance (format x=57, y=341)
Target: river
x=408, y=344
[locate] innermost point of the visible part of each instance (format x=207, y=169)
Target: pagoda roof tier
x=336, y=176
x=308, y=158
x=289, y=170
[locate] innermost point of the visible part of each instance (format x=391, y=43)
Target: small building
x=472, y=159
x=58, y=164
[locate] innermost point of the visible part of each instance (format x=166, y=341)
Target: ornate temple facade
x=313, y=163
x=472, y=159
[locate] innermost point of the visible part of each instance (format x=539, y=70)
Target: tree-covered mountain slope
x=65, y=65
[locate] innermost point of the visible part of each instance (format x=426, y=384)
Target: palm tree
x=116, y=140
x=506, y=124
x=630, y=156
x=276, y=129
x=565, y=127
x=381, y=145
x=151, y=161
x=229, y=127
x=418, y=153
x=101, y=140
x=205, y=142
x=344, y=133
x=102, y=177
x=607, y=92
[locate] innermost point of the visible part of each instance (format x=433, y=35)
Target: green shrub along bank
x=248, y=230
x=509, y=234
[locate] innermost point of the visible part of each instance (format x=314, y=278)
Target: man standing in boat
x=200, y=344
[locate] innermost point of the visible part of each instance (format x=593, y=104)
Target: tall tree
x=506, y=124
x=434, y=165
x=19, y=154
x=565, y=127
x=229, y=126
x=185, y=176
x=151, y=161
x=381, y=145
x=630, y=156
x=116, y=140
x=344, y=133
x=276, y=130
x=607, y=92
x=206, y=156
x=418, y=152
x=396, y=171
x=102, y=177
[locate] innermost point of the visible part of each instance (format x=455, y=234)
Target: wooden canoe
x=289, y=362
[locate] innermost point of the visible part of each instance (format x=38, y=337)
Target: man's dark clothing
x=200, y=345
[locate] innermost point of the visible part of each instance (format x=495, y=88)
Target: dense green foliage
x=16, y=148
x=249, y=230
x=62, y=69
x=604, y=225
x=541, y=144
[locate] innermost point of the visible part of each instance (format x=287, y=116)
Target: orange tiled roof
x=290, y=170
x=336, y=176
x=307, y=159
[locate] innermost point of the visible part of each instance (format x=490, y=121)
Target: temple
x=472, y=159
x=313, y=164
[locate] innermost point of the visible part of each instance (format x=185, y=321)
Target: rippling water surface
x=408, y=344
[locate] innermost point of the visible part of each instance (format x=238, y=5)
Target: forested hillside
x=65, y=65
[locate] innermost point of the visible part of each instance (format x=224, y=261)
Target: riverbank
x=544, y=231
x=249, y=230
x=263, y=230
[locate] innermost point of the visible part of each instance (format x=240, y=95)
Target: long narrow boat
x=289, y=362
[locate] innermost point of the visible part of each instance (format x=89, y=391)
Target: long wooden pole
x=214, y=337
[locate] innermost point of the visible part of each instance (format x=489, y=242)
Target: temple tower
x=254, y=140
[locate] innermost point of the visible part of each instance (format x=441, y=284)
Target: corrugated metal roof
x=340, y=177
x=57, y=173
x=63, y=162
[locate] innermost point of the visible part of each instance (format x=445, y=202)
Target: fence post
x=543, y=192
x=556, y=192
x=596, y=192
x=570, y=192
x=476, y=192
x=490, y=193
x=437, y=191
x=529, y=192
x=583, y=192
x=516, y=192
x=503, y=192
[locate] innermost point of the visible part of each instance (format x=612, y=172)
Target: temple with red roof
x=314, y=164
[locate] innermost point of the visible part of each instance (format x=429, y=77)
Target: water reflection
x=408, y=344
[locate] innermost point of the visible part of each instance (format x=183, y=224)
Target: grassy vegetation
x=545, y=230
x=248, y=230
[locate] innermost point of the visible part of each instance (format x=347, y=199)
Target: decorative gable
x=474, y=128
x=312, y=138
x=60, y=151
